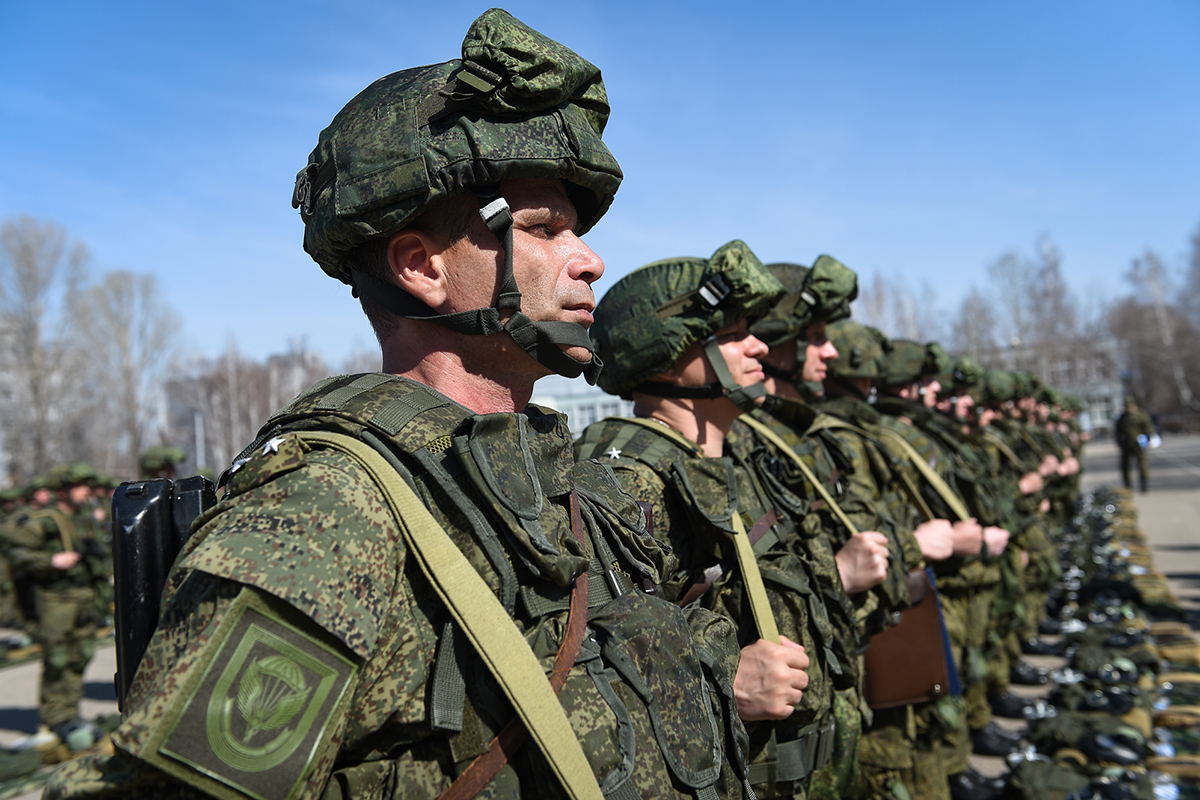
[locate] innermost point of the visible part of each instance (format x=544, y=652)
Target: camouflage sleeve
x=290, y=634
x=28, y=549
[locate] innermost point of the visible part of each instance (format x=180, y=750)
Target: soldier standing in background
x=57, y=548
x=1133, y=431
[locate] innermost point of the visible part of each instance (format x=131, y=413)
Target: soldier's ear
x=418, y=268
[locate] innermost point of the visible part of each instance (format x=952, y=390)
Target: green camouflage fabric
x=299, y=581
x=159, y=460
x=936, y=361
x=822, y=535
x=1129, y=426
x=692, y=499
x=860, y=349
x=645, y=322
x=999, y=387
x=65, y=602
x=516, y=105
x=903, y=364
x=823, y=292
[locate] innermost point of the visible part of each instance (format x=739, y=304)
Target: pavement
x=1169, y=515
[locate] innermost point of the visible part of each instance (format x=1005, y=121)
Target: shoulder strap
x=783, y=447
x=940, y=486
x=66, y=528
x=481, y=617
x=756, y=591
x=1003, y=447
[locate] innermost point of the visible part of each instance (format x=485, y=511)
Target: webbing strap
x=756, y=592
x=481, y=618
x=796, y=759
x=940, y=486
x=777, y=440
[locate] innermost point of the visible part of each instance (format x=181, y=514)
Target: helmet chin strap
x=540, y=339
x=744, y=397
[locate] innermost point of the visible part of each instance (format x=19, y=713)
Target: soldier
x=674, y=338
x=56, y=547
x=1133, y=431
x=329, y=630
x=160, y=462
x=775, y=441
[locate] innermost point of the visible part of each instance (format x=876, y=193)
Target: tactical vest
x=707, y=492
x=498, y=484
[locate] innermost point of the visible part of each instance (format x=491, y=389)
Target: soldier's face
x=79, y=494
x=930, y=395
x=553, y=267
x=818, y=352
x=962, y=406
x=741, y=351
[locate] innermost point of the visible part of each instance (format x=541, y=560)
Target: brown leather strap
x=480, y=772
x=754, y=534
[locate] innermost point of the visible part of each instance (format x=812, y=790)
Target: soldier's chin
x=577, y=352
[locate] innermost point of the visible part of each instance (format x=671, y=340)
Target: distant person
x=1134, y=430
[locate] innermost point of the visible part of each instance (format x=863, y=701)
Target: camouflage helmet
x=516, y=105
x=904, y=363
x=860, y=350
x=820, y=294
x=646, y=321
x=159, y=459
x=967, y=377
x=999, y=387
x=936, y=359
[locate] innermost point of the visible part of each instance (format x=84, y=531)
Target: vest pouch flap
x=655, y=653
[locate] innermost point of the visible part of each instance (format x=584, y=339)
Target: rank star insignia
x=613, y=453
x=272, y=446
x=241, y=462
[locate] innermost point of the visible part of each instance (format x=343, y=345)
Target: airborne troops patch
x=261, y=709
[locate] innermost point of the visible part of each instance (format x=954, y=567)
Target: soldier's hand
x=1049, y=466
x=64, y=560
x=770, y=679
x=863, y=560
x=968, y=537
x=937, y=539
x=1068, y=467
x=997, y=540
x=1031, y=482
x=1044, y=506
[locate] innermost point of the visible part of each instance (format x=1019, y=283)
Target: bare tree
x=1150, y=279
x=1013, y=279
x=131, y=335
x=40, y=275
x=974, y=331
x=893, y=308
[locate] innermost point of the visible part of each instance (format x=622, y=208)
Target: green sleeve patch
x=263, y=710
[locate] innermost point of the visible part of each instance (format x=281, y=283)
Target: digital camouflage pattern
x=823, y=292
x=517, y=104
x=645, y=322
x=860, y=350
x=692, y=499
x=65, y=601
x=294, y=620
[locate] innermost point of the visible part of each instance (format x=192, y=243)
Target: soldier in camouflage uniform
x=902, y=754
x=674, y=337
x=1132, y=425
x=845, y=564
x=57, y=546
x=10, y=608
x=304, y=649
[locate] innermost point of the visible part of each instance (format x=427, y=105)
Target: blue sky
x=917, y=140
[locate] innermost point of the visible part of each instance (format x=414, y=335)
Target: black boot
x=1025, y=674
x=993, y=740
x=1040, y=647
x=973, y=785
x=1009, y=705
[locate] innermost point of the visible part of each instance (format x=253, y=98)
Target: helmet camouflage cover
x=860, y=350
x=516, y=105
x=646, y=321
x=822, y=293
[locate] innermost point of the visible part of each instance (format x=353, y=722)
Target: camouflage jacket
x=35, y=536
x=874, y=480
x=692, y=499
x=302, y=654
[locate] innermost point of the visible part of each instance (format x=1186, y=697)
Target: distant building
x=582, y=404
x=1086, y=368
